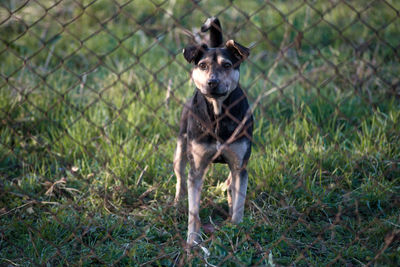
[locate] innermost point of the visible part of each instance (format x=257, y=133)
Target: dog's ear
x=193, y=53
x=238, y=51
x=214, y=26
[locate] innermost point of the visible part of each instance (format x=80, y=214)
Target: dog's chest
x=224, y=128
x=216, y=130
x=204, y=125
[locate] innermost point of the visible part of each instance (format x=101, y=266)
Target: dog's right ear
x=193, y=53
x=239, y=51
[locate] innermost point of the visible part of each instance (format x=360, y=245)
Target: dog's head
x=216, y=69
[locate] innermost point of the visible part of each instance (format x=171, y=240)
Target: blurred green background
x=90, y=97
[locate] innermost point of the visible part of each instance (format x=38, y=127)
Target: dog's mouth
x=216, y=95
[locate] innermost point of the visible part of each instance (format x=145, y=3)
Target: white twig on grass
x=206, y=252
x=139, y=181
x=270, y=261
x=30, y=202
x=9, y=261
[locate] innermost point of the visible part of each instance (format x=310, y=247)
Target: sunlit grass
x=87, y=139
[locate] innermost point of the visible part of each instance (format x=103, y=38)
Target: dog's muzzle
x=213, y=89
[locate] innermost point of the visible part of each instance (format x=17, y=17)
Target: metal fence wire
x=91, y=93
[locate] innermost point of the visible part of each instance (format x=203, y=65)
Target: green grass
x=87, y=138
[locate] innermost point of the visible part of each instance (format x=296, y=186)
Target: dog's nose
x=213, y=83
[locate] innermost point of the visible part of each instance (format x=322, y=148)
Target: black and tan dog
x=216, y=125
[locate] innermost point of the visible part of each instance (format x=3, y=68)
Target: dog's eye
x=227, y=65
x=203, y=66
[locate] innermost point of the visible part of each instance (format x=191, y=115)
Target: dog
x=216, y=125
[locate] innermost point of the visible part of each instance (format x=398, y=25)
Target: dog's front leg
x=237, y=192
x=237, y=154
x=199, y=158
x=195, y=183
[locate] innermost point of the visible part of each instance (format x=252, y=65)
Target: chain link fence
x=91, y=93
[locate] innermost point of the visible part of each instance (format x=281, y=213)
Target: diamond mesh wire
x=90, y=99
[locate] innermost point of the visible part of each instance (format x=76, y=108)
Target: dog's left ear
x=193, y=53
x=238, y=50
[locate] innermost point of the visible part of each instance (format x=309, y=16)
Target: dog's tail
x=214, y=26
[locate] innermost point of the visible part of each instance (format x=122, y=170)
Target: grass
x=87, y=136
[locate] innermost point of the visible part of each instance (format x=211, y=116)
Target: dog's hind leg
x=228, y=183
x=180, y=161
x=180, y=158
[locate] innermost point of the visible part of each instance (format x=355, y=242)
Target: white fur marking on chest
x=217, y=105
